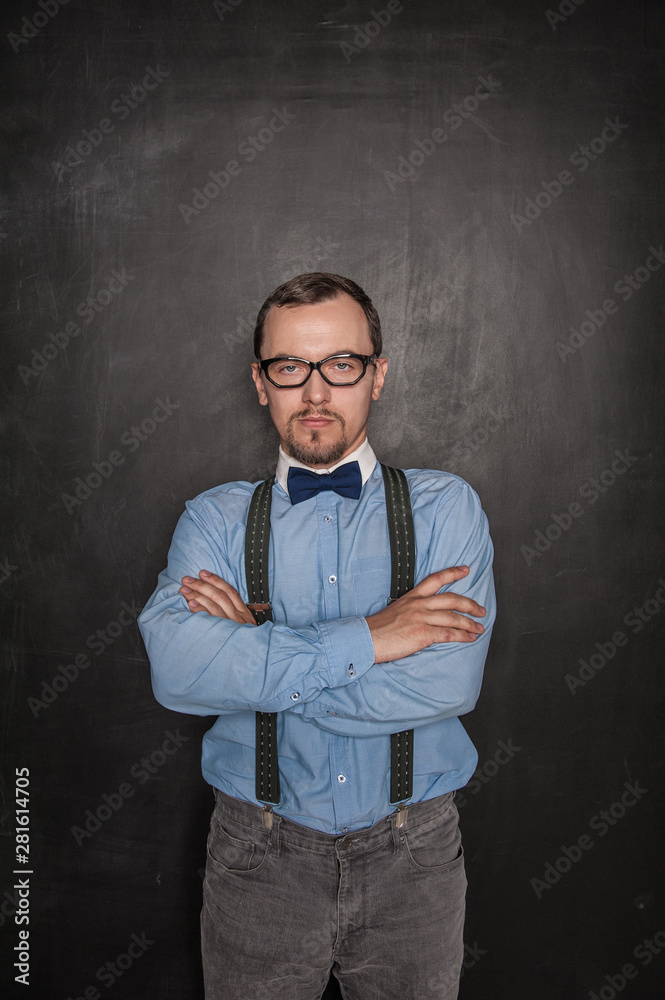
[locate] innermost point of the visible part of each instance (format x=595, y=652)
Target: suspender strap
x=402, y=551
x=257, y=541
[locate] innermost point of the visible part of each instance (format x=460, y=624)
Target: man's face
x=317, y=423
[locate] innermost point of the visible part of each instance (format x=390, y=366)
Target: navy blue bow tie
x=304, y=484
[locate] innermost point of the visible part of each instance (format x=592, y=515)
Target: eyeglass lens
x=339, y=370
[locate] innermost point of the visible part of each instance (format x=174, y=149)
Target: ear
x=380, y=369
x=257, y=376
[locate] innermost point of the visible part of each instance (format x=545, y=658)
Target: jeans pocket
x=229, y=853
x=435, y=846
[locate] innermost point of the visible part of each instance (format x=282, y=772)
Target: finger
x=456, y=602
x=435, y=581
x=213, y=580
x=438, y=618
x=452, y=620
x=216, y=597
x=209, y=590
x=208, y=577
x=454, y=635
x=205, y=604
x=195, y=593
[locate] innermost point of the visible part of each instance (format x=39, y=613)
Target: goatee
x=315, y=451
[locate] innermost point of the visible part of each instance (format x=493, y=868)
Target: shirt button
x=295, y=696
x=332, y=578
x=351, y=671
x=341, y=778
x=327, y=518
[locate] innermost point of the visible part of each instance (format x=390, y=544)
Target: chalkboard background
x=516, y=259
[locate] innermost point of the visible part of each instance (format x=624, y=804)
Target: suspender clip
x=266, y=816
x=401, y=816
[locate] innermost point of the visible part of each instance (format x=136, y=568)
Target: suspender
x=402, y=552
x=257, y=538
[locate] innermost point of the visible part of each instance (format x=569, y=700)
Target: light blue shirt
x=314, y=663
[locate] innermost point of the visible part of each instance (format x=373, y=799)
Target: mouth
x=315, y=421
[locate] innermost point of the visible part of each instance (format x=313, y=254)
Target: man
x=331, y=873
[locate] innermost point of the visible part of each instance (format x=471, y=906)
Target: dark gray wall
x=483, y=257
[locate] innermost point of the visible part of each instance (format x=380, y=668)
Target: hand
x=212, y=594
x=422, y=617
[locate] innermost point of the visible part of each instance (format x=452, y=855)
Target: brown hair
x=309, y=289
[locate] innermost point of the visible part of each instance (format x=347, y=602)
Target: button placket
x=342, y=785
x=329, y=545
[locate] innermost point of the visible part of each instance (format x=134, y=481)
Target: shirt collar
x=363, y=455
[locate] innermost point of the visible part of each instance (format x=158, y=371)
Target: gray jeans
x=382, y=907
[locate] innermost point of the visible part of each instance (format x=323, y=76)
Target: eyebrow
x=343, y=350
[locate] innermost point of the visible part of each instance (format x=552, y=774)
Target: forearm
x=203, y=665
x=440, y=680
x=435, y=684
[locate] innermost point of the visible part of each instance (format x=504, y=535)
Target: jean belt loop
x=272, y=826
x=398, y=824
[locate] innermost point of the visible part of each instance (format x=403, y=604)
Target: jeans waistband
x=358, y=841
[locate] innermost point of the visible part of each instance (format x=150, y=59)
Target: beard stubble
x=315, y=451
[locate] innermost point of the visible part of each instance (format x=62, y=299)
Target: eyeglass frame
x=365, y=358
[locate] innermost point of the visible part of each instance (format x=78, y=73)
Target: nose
x=315, y=390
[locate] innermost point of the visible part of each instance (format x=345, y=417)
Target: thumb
x=435, y=581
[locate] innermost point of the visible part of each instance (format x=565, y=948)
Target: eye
x=288, y=368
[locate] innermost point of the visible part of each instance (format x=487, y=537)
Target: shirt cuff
x=349, y=649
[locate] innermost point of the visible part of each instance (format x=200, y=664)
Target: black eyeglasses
x=338, y=369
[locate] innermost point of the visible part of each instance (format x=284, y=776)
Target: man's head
x=313, y=317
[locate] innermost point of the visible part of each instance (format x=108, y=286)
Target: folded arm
x=441, y=679
x=428, y=656
x=207, y=665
